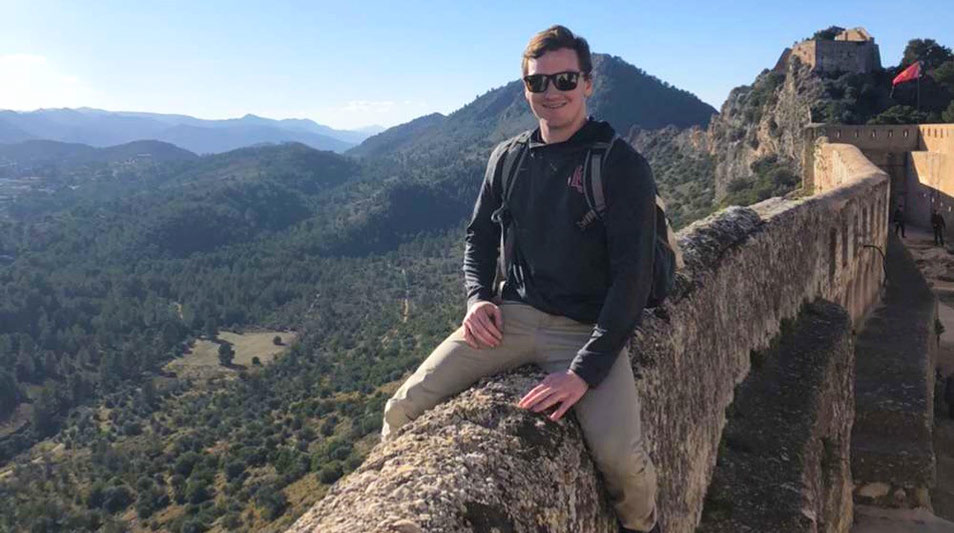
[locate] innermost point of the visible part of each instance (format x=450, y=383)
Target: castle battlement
x=853, y=51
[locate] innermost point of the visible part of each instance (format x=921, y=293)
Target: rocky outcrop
x=763, y=119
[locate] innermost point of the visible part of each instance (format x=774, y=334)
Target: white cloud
x=30, y=81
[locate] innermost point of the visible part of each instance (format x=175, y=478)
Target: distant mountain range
x=624, y=95
x=98, y=128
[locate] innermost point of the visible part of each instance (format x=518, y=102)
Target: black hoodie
x=600, y=274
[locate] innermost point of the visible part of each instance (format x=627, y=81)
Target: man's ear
x=588, y=86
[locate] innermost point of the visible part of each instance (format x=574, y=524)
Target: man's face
x=558, y=109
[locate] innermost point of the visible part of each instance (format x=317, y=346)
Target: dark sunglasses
x=563, y=81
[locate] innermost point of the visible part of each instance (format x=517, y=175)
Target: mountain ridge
x=502, y=112
x=100, y=128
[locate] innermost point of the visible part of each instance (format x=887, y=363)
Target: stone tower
x=852, y=51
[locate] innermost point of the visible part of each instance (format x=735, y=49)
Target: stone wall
x=930, y=176
x=918, y=158
x=784, y=462
x=837, y=56
x=746, y=270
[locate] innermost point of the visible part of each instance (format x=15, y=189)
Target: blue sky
x=350, y=64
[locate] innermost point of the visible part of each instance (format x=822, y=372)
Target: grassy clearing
x=203, y=361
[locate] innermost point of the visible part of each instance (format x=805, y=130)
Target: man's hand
x=483, y=325
x=565, y=388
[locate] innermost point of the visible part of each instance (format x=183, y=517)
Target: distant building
x=852, y=51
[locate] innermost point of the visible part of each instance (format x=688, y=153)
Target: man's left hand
x=564, y=388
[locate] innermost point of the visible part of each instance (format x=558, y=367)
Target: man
x=899, y=220
x=937, y=222
x=575, y=285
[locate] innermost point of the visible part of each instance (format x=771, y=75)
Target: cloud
x=31, y=81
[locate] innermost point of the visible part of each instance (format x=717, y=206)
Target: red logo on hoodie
x=576, y=179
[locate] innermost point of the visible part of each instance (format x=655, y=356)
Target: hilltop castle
x=852, y=51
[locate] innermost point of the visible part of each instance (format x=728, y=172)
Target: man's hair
x=555, y=38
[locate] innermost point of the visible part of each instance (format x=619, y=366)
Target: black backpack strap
x=666, y=254
x=596, y=157
x=513, y=160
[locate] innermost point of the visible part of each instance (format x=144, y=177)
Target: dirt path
x=407, y=298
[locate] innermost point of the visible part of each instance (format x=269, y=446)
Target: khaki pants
x=608, y=413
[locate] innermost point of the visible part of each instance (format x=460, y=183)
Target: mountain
x=97, y=127
x=624, y=95
x=398, y=137
x=40, y=151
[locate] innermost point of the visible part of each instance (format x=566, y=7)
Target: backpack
x=666, y=255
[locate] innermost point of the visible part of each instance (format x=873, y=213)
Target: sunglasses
x=563, y=81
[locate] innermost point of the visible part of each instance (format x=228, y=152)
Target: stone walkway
x=937, y=265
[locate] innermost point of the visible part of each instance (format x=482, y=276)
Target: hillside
x=54, y=152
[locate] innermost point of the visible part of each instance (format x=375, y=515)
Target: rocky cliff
x=763, y=120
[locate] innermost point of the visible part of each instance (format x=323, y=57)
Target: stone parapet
x=784, y=460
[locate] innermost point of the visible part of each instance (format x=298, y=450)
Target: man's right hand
x=483, y=325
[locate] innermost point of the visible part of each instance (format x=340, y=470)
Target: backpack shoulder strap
x=513, y=160
x=596, y=157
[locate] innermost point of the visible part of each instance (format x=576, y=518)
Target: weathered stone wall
x=838, y=56
x=847, y=56
x=784, y=462
x=746, y=270
x=918, y=158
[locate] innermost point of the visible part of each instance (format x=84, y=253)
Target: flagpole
x=919, y=87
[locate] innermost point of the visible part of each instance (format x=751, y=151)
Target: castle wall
x=936, y=138
x=839, y=56
x=747, y=269
x=918, y=158
x=847, y=56
x=805, y=51
x=930, y=185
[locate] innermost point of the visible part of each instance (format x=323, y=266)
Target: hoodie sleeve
x=483, y=235
x=630, y=222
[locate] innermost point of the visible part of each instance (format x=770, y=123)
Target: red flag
x=911, y=73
